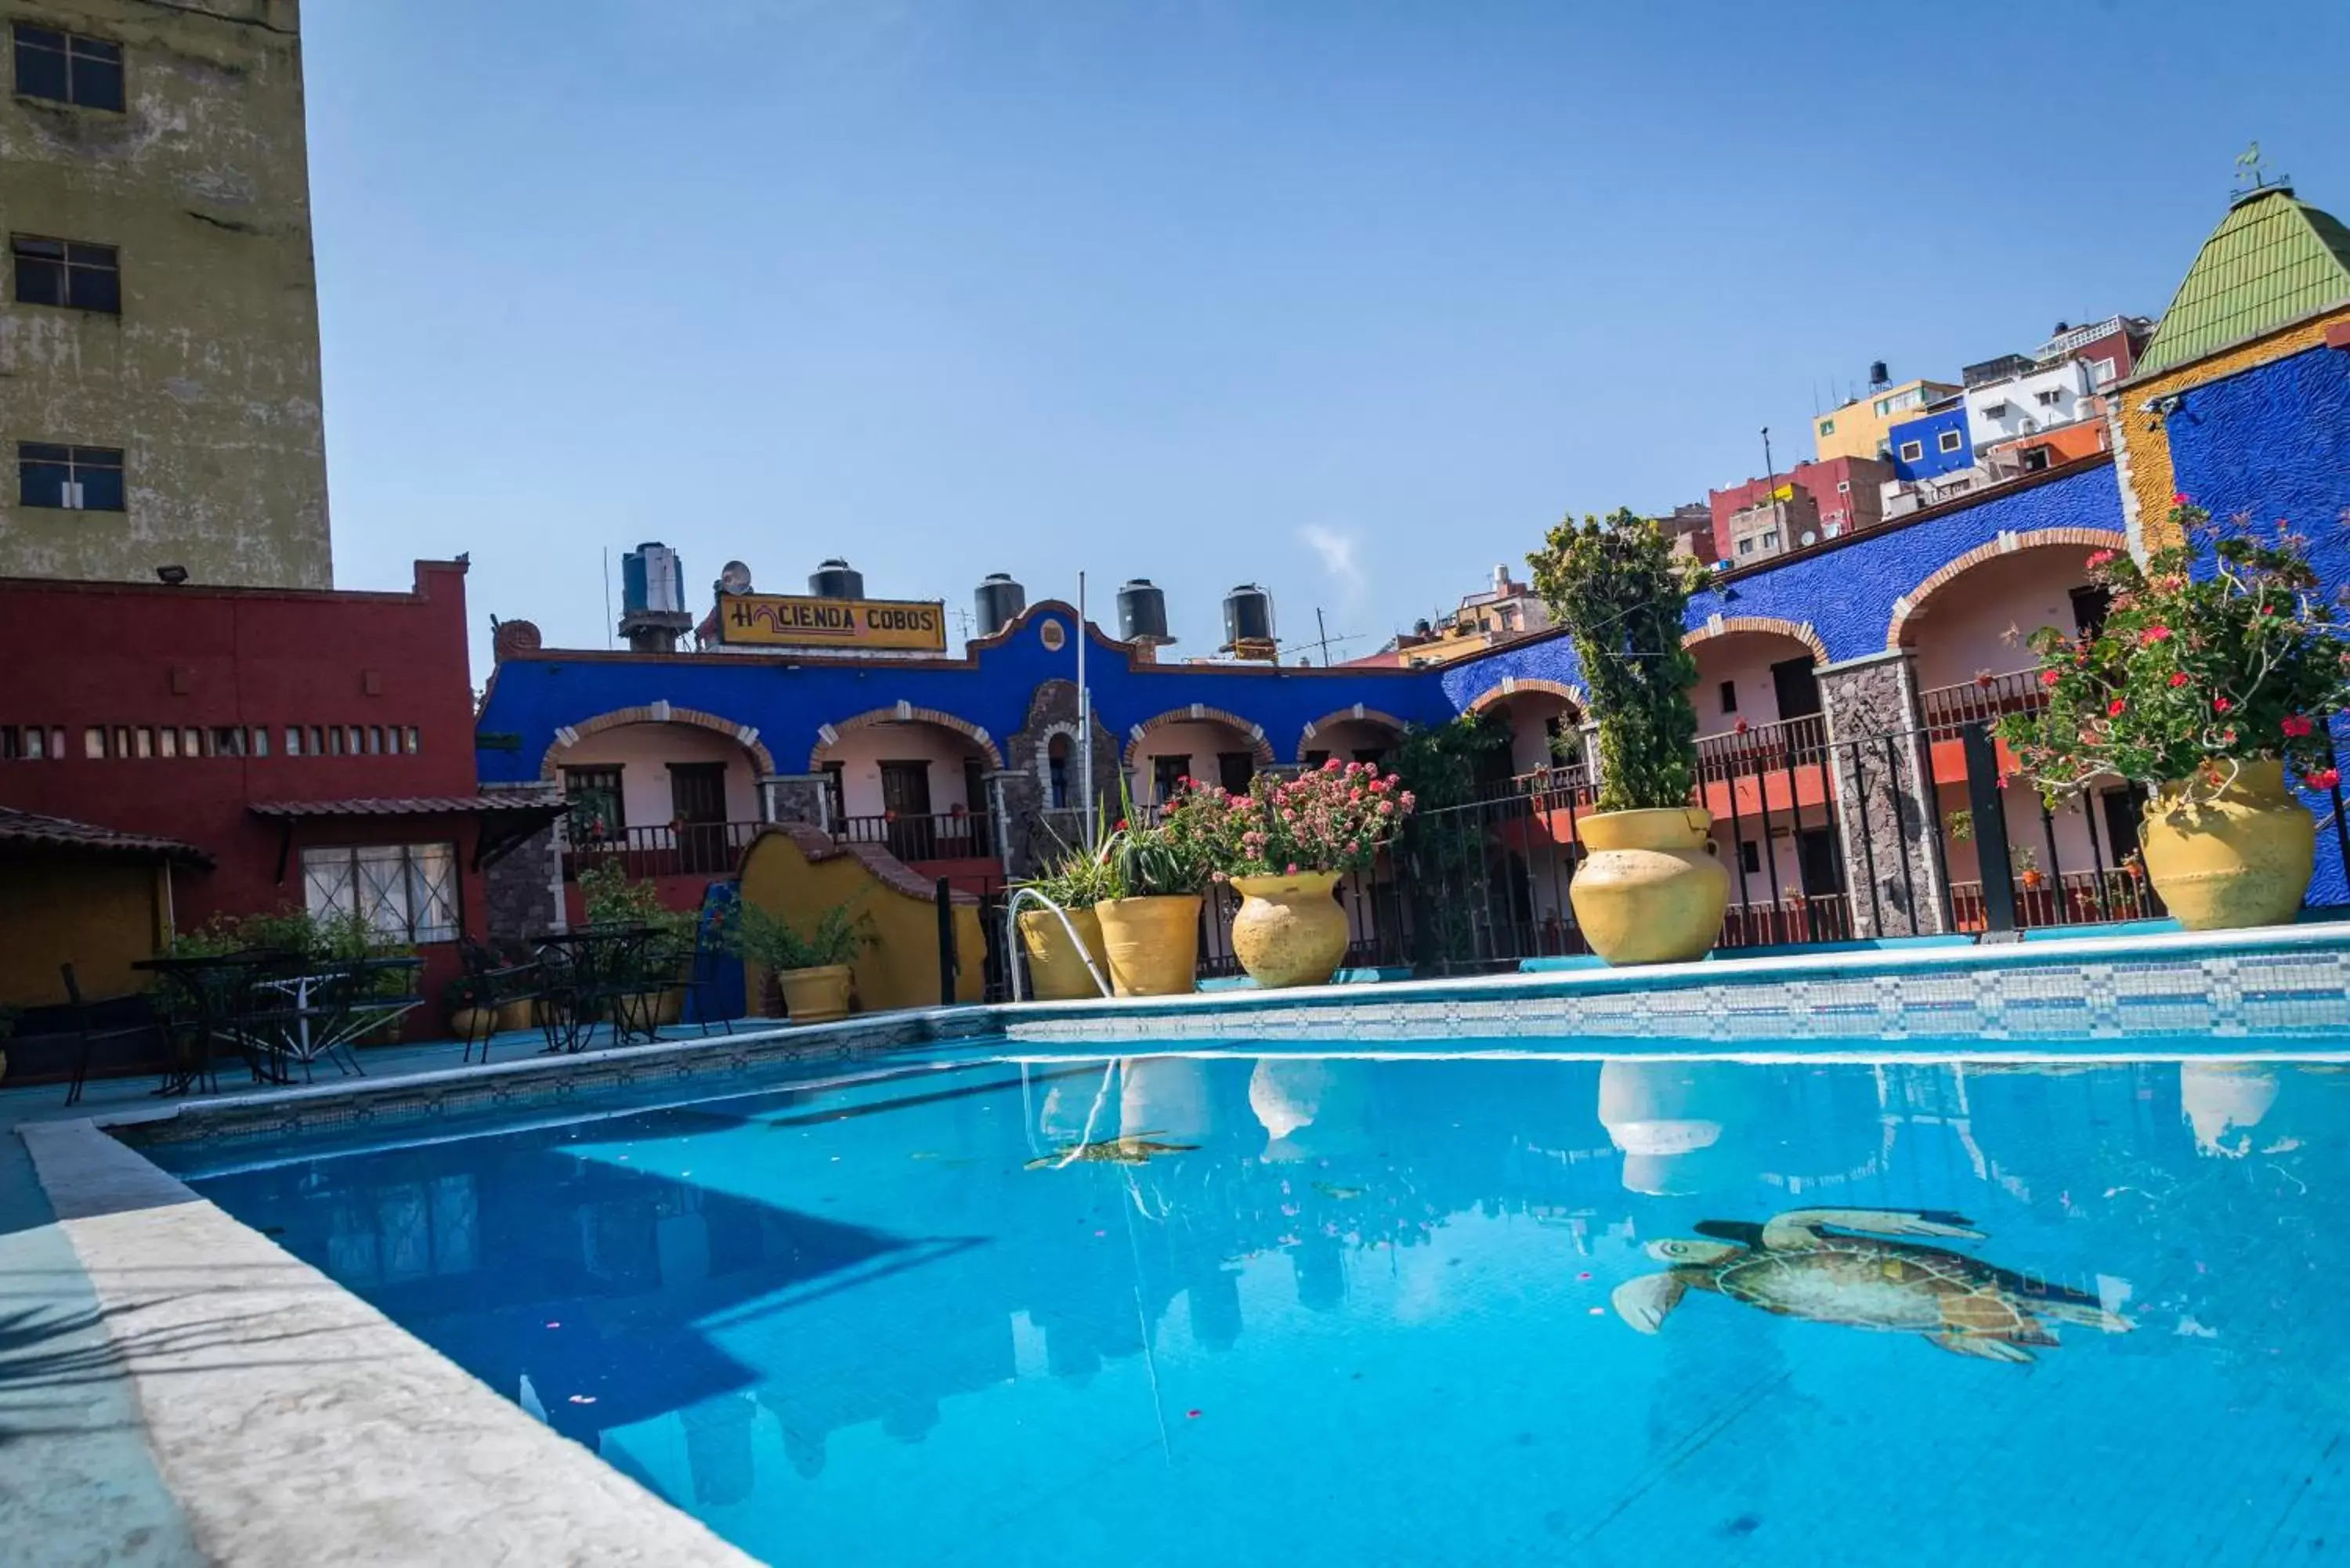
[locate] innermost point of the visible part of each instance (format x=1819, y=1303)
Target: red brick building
x=317, y=747
x=1842, y=491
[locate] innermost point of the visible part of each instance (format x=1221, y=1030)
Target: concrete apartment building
x=159, y=332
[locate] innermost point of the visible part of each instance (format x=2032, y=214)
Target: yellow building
x=1858, y=429
x=159, y=334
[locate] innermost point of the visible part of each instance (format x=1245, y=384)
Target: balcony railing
x=1783, y=742
x=1945, y=709
x=676, y=849
x=2075, y=898
x=932, y=835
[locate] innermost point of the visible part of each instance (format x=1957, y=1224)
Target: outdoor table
x=592, y=965
x=214, y=985
x=343, y=1011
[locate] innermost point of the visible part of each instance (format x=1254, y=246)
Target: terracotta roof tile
x=30, y=829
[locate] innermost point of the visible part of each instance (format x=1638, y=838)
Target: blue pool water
x=1366, y=1312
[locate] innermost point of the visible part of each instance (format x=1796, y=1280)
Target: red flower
x=2220, y=704
x=1740, y=727
x=1983, y=680
x=2322, y=778
x=2296, y=725
x=2050, y=676
x=1333, y=765
x=2179, y=677
x=1121, y=825
x=2114, y=709
x=2153, y=635
x=2179, y=499
x=2099, y=557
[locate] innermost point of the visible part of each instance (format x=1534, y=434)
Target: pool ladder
x=1011, y=940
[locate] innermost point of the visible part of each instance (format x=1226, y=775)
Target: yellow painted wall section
x=2148, y=481
x=98, y=916
x=799, y=873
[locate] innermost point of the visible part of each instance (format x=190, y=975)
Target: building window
x=228, y=742
x=68, y=273
x=1749, y=857
x=1235, y=769
x=1827, y=427
x=1949, y=440
x=1167, y=776
x=2048, y=399
x=1730, y=697
x=2101, y=372
x=596, y=812
x=1911, y=451
x=1746, y=545
x=293, y=740
x=1884, y=407
x=93, y=743
x=405, y=891
x=1770, y=539
x=77, y=478
x=1844, y=487
x=146, y=740
x=67, y=68
x=1994, y=410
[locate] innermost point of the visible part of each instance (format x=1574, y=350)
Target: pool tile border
x=2225, y=986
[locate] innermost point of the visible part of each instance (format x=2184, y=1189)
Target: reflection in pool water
x=1377, y=1314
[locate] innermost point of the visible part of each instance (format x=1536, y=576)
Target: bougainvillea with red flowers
x=2219, y=651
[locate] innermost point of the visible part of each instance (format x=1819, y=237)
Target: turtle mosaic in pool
x=1225, y=1308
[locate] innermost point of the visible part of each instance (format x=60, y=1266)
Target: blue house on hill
x=1932, y=444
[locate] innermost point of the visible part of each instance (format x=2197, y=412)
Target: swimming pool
x=1001, y=1304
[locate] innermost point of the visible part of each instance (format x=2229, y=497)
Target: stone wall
x=523, y=888
x=1884, y=795
x=1032, y=832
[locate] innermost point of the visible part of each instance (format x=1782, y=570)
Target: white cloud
x=1337, y=550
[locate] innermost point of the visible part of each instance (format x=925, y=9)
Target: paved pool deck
x=80, y=1482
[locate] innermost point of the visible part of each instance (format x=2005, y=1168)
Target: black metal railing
x=1948, y=709
x=689, y=848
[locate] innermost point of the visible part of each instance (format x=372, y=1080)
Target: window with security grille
x=68, y=273
x=405, y=891
x=77, y=478
x=67, y=68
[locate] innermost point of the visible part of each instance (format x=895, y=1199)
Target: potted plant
x=1076, y=880
x=1283, y=847
x=1151, y=919
x=811, y=969
x=2026, y=867
x=1961, y=824
x=473, y=1014
x=2211, y=684
x=1648, y=892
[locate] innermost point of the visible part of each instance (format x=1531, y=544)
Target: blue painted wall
x=2275, y=442
x=1846, y=592
x=1928, y=433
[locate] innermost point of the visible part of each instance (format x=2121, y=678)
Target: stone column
x=1015, y=800
x=799, y=797
x=523, y=888
x=1881, y=770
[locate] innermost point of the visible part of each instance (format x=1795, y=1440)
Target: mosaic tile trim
x=2223, y=996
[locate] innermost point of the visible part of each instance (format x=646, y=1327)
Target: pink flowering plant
x=2193, y=674
x=1336, y=817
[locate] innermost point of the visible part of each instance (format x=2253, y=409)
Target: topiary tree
x=1620, y=591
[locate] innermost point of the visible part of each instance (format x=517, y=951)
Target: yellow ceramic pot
x=1649, y=892
x=816, y=995
x=1057, y=969
x=1290, y=930
x=517, y=1015
x=1152, y=944
x=472, y=1023
x=2242, y=859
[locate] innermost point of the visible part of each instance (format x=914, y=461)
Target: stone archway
x=1358, y=714
x=1775, y=626
x=1199, y=713
x=1901, y=634
x=1517, y=686
x=828, y=735
x=566, y=736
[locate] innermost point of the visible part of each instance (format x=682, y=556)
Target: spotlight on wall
x=171, y=576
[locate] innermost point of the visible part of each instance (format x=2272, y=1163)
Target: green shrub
x=772, y=942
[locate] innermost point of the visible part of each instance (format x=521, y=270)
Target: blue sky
x=1352, y=300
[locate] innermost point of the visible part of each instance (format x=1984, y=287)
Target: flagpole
x=1085, y=724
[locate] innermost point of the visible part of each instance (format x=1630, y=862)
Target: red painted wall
x=134, y=656
x=1859, y=507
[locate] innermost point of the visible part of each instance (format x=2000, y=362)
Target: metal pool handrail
x=1012, y=952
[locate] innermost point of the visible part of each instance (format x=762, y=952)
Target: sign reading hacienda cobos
x=776, y=620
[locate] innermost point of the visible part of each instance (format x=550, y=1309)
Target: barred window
x=406, y=891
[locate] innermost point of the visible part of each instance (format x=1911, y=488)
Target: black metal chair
x=498, y=984
x=89, y=1033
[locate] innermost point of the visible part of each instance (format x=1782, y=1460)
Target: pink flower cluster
x=1336, y=817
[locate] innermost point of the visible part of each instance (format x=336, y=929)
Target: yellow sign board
x=778, y=621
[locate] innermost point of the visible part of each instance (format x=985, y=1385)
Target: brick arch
x=1908, y=608
x=1775, y=626
x=1197, y=713
x=906, y=713
x=550, y=765
x=1512, y=686
x=1358, y=714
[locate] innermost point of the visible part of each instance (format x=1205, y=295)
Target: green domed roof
x=2273, y=261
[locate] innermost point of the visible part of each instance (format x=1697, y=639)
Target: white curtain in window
x=327, y=881
x=383, y=888
x=432, y=891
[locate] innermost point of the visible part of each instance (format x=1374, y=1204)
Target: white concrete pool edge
x=296, y=1424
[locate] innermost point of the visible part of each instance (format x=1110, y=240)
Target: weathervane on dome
x=2251, y=173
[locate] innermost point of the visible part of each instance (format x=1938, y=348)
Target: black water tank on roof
x=998, y=601
x=1248, y=615
x=1142, y=612
x=836, y=579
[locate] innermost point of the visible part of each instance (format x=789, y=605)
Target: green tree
x=1621, y=593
